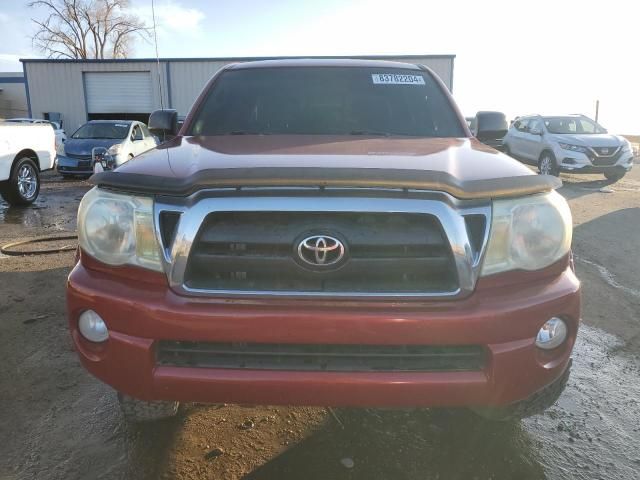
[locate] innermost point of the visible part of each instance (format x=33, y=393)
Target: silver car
x=569, y=143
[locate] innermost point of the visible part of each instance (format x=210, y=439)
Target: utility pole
x=597, y=109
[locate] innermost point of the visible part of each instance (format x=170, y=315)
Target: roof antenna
x=155, y=40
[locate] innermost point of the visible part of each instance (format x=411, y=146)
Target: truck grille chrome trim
x=464, y=235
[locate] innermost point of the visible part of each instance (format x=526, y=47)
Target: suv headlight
x=118, y=229
x=528, y=233
x=573, y=148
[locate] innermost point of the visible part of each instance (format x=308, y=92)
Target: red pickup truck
x=325, y=233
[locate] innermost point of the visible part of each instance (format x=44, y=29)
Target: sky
x=546, y=57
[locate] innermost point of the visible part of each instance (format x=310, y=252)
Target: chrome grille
x=230, y=243
x=605, y=151
x=258, y=251
x=607, y=160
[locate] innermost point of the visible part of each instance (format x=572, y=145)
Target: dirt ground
x=57, y=422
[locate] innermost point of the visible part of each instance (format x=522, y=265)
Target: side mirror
x=491, y=125
x=164, y=123
x=535, y=131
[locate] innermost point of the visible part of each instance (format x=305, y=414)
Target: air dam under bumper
x=503, y=315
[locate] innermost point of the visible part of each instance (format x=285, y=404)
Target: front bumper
x=503, y=315
x=74, y=166
x=581, y=163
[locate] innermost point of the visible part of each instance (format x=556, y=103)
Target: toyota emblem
x=321, y=251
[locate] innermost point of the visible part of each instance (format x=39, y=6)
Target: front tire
x=138, y=411
x=614, y=176
x=547, y=164
x=23, y=185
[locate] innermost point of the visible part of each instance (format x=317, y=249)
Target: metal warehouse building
x=80, y=90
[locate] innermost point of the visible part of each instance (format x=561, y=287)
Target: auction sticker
x=397, y=79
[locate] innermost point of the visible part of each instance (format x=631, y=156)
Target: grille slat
x=606, y=151
x=319, y=357
x=398, y=252
x=79, y=157
x=360, y=232
x=606, y=159
x=286, y=266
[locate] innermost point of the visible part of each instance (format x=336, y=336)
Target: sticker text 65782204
x=397, y=79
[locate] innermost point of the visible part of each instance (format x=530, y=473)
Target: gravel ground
x=57, y=422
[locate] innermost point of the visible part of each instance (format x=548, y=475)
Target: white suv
x=569, y=143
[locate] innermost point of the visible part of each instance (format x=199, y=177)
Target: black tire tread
x=614, y=176
x=138, y=411
x=9, y=192
x=556, y=169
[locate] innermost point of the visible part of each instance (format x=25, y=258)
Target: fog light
x=552, y=334
x=92, y=327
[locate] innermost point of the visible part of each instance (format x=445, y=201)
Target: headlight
x=626, y=146
x=114, y=149
x=573, y=148
x=528, y=233
x=118, y=229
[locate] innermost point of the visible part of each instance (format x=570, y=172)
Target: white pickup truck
x=25, y=151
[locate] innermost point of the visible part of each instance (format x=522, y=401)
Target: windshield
x=102, y=130
x=327, y=101
x=572, y=125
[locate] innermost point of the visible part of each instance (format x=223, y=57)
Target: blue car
x=121, y=139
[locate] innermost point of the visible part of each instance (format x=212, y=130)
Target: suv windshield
x=102, y=130
x=326, y=101
x=572, y=125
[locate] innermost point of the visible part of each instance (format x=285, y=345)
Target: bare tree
x=86, y=28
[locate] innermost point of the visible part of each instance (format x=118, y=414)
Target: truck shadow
x=417, y=444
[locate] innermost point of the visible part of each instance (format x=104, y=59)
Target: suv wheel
x=136, y=411
x=547, y=164
x=614, y=176
x=23, y=185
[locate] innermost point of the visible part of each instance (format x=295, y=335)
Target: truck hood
x=461, y=166
x=591, y=140
x=84, y=146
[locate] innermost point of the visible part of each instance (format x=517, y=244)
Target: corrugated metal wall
x=187, y=81
x=57, y=86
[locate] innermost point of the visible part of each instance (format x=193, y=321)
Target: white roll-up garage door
x=118, y=92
